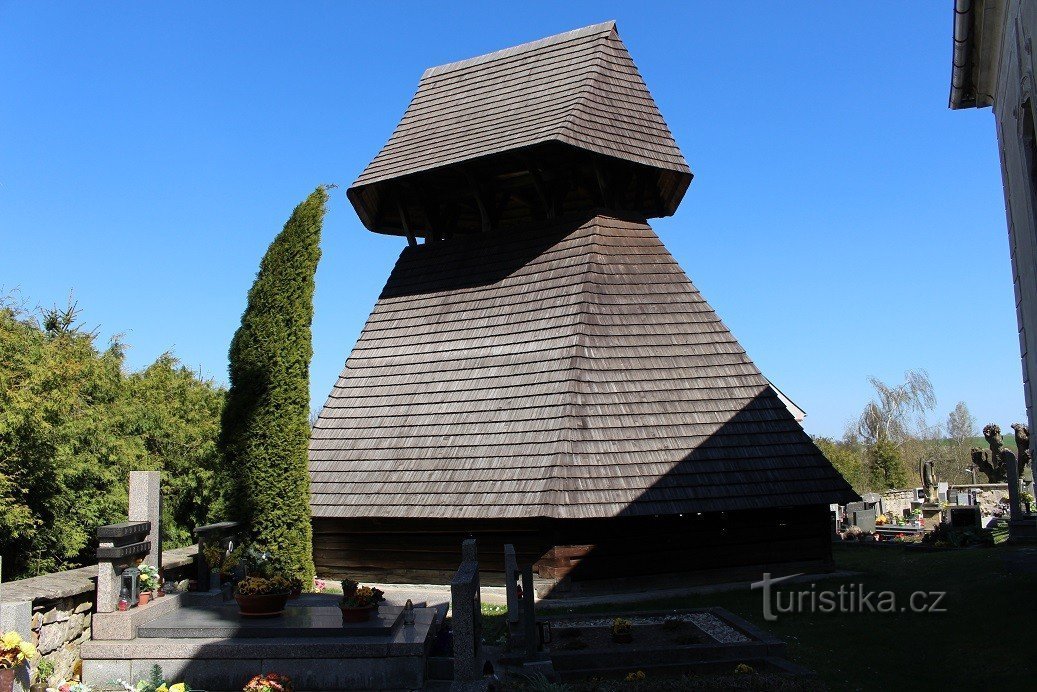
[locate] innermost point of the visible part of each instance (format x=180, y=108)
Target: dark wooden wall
x=430, y=550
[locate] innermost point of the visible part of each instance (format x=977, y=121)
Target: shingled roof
x=510, y=114
x=571, y=372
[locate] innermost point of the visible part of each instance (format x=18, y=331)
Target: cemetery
x=547, y=463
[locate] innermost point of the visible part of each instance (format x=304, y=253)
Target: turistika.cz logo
x=848, y=598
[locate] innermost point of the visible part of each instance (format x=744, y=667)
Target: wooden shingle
x=492, y=132
x=571, y=371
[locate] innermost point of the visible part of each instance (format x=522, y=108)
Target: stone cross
x=466, y=611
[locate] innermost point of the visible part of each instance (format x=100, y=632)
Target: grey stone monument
x=146, y=505
x=511, y=574
x=466, y=610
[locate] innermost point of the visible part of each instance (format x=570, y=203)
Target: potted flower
x=622, y=631
x=270, y=682
x=1027, y=501
x=261, y=596
x=71, y=686
x=148, y=582
x=41, y=676
x=358, y=602
x=14, y=652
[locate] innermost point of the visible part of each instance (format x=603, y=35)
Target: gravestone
x=511, y=574
x=146, y=505
x=966, y=516
x=873, y=500
x=941, y=490
x=16, y=616
x=864, y=518
x=529, y=618
x=466, y=614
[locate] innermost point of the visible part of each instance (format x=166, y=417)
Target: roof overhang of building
x=978, y=30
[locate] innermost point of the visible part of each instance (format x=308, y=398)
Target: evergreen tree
x=265, y=426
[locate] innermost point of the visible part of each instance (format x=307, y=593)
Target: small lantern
x=131, y=582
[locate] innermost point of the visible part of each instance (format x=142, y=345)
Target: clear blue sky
x=842, y=221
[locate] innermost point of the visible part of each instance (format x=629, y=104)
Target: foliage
x=220, y=559
x=74, y=423
x=946, y=535
x=270, y=682
x=961, y=425
x=847, y=460
x=887, y=466
x=155, y=682
x=356, y=596
x=620, y=626
x=44, y=670
x=15, y=651
x=261, y=586
x=265, y=425
x=887, y=417
x=148, y=578
x=71, y=686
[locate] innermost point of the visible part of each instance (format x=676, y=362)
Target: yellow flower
x=28, y=649
x=179, y=687
x=11, y=640
x=162, y=688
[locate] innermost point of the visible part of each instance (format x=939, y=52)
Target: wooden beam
x=411, y=240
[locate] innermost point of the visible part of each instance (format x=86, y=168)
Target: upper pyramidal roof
x=534, y=132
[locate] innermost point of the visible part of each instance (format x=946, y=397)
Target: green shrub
x=265, y=426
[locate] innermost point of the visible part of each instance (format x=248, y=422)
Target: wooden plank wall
x=428, y=551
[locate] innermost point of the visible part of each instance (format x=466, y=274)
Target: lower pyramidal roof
x=573, y=372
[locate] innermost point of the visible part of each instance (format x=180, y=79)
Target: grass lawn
x=986, y=639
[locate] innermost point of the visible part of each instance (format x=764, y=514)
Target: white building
x=994, y=66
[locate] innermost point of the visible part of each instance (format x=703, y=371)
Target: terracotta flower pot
x=144, y=597
x=6, y=679
x=356, y=614
x=38, y=687
x=264, y=605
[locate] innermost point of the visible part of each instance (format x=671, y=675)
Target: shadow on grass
x=984, y=640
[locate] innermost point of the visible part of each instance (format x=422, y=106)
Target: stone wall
x=988, y=495
x=62, y=607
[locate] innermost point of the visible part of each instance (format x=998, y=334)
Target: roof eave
x=978, y=31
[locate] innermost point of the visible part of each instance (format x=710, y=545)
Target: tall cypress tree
x=265, y=427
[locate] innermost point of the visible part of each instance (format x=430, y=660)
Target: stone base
x=1023, y=530
x=388, y=662
x=932, y=516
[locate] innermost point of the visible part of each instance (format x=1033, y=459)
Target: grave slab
x=297, y=621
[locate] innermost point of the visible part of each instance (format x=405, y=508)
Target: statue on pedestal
x=927, y=473
x=1022, y=443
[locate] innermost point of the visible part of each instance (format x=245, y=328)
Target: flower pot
x=6, y=679
x=264, y=605
x=38, y=687
x=145, y=596
x=357, y=614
